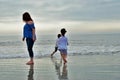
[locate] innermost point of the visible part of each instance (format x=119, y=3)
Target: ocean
x=12, y=46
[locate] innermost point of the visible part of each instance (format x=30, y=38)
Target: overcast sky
x=52, y=15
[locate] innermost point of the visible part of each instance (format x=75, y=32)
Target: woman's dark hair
x=27, y=17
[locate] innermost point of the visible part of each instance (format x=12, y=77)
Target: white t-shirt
x=62, y=42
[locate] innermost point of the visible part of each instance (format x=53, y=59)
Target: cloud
x=92, y=26
x=80, y=10
x=73, y=14
x=67, y=10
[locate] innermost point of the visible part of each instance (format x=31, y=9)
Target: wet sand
x=84, y=67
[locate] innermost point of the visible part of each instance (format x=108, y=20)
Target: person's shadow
x=62, y=73
x=31, y=72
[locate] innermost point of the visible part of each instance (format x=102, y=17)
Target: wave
x=95, y=53
x=70, y=54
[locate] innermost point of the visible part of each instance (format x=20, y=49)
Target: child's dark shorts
x=63, y=51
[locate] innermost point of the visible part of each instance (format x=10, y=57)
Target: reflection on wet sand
x=31, y=72
x=62, y=73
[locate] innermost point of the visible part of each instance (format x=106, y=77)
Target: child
x=56, y=47
x=29, y=35
x=62, y=45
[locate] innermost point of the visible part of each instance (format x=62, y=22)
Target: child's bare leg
x=52, y=53
x=64, y=58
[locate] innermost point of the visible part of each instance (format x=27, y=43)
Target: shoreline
x=99, y=67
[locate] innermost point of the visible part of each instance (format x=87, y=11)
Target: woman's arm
x=33, y=33
x=33, y=30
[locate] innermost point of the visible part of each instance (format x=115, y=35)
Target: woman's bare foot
x=30, y=62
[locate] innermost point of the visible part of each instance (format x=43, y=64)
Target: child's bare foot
x=65, y=62
x=51, y=55
x=30, y=62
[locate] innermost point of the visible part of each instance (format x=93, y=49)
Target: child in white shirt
x=62, y=45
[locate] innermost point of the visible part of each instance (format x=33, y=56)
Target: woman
x=29, y=35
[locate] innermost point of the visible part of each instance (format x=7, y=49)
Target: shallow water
x=11, y=46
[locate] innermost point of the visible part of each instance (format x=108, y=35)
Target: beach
x=84, y=67
x=92, y=29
